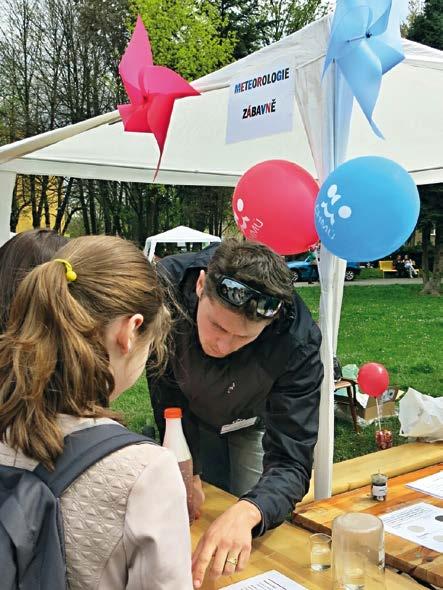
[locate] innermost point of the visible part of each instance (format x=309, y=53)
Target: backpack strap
x=84, y=448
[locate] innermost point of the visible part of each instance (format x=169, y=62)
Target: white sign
x=420, y=523
x=261, y=102
x=432, y=485
x=271, y=580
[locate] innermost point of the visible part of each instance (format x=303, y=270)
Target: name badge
x=238, y=425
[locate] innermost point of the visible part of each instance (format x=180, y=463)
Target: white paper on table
x=271, y=580
x=420, y=523
x=432, y=485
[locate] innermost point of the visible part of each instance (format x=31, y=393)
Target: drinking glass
x=320, y=552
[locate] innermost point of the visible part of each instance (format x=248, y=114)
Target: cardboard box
x=366, y=406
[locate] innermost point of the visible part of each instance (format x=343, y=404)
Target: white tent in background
x=408, y=111
x=179, y=235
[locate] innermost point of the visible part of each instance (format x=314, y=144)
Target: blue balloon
x=366, y=208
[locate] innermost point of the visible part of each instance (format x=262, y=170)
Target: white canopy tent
x=408, y=112
x=178, y=235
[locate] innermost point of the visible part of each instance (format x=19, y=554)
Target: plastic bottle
x=175, y=441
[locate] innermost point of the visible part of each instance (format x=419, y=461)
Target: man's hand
x=228, y=540
x=198, y=496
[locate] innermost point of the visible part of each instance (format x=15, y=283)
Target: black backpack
x=31, y=533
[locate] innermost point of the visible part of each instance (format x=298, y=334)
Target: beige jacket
x=125, y=518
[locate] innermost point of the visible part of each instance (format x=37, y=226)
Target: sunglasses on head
x=237, y=293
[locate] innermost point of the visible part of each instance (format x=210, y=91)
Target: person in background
x=81, y=328
x=312, y=259
x=399, y=266
x=409, y=267
x=246, y=371
x=18, y=256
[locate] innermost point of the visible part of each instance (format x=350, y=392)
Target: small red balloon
x=273, y=203
x=373, y=379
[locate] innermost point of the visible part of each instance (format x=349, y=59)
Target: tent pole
x=7, y=185
x=332, y=271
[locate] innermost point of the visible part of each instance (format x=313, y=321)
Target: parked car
x=301, y=270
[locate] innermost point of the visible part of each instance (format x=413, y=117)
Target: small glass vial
x=379, y=487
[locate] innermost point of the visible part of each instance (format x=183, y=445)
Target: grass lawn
x=391, y=324
x=135, y=406
x=369, y=273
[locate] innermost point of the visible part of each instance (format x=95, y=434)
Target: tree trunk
x=63, y=203
x=15, y=210
x=68, y=219
x=437, y=269
x=106, y=199
x=426, y=238
x=47, y=214
x=34, y=205
x=92, y=207
x=84, y=208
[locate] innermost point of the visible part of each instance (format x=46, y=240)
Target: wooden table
x=285, y=549
x=355, y=473
x=422, y=563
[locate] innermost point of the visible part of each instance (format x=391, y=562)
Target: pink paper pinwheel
x=152, y=89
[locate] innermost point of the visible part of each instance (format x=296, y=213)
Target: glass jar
x=358, y=554
x=379, y=487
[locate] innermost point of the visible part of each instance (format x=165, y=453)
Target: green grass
x=390, y=324
x=393, y=325
x=135, y=406
x=348, y=444
x=369, y=273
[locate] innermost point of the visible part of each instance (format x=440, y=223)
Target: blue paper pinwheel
x=365, y=43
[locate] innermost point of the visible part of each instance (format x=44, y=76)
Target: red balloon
x=373, y=379
x=273, y=203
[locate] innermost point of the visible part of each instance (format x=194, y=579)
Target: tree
x=243, y=20
x=427, y=26
x=431, y=218
x=59, y=66
x=185, y=35
x=256, y=23
x=282, y=17
x=23, y=106
x=415, y=7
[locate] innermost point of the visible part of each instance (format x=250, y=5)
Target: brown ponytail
x=52, y=356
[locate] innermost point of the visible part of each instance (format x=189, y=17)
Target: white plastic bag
x=421, y=416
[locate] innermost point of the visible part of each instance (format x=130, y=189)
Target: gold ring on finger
x=231, y=559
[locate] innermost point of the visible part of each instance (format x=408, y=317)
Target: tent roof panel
x=408, y=113
x=195, y=150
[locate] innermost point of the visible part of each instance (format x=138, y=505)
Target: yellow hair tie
x=71, y=275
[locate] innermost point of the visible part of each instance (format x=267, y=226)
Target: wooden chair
x=350, y=386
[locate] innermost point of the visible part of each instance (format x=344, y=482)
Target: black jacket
x=277, y=377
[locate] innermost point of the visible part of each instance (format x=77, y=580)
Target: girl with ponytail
x=81, y=328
